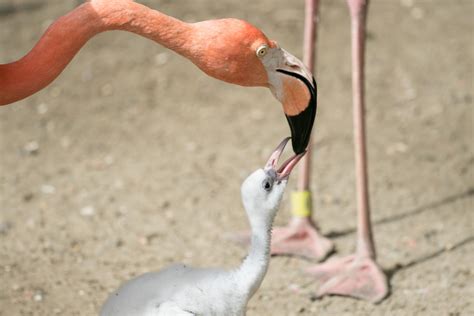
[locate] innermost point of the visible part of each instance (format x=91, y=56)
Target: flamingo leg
x=356, y=275
x=301, y=236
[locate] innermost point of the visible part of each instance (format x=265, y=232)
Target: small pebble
x=87, y=211
x=265, y=298
x=47, y=189
x=294, y=288
x=161, y=59
x=31, y=148
x=42, y=108
x=38, y=296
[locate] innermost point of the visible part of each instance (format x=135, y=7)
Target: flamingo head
x=235, y=51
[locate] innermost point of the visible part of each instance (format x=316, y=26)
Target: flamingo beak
x=300, y=109
x=285, y=169
x=298, y=99
x=294, y=86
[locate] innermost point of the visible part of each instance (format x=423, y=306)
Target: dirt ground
x=132, y=159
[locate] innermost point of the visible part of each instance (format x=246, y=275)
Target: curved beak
x=285, y=169
x=301, y=122
x=294, y=86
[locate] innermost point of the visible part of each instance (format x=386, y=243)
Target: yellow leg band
x=301, y=203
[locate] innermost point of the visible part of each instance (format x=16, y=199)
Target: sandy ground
x=133, y=159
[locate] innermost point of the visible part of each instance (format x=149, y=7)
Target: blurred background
x=133, y=158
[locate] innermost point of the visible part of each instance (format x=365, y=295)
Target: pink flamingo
x=356, y=275
x=230, y=50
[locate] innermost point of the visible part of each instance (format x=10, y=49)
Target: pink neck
x=65, y=37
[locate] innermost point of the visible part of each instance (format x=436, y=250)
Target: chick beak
x=285, y=169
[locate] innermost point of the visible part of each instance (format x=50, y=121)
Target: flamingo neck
x=66, y=36
x=154, y=25
x=250, y=274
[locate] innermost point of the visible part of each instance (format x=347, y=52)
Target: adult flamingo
x=356, y=275
x=231, y=50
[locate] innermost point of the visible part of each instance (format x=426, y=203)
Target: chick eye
x=262, y=50
x=267, y=184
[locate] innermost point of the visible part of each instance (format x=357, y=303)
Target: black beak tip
x=299, y=145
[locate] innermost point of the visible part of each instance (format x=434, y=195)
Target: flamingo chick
x=182, y=290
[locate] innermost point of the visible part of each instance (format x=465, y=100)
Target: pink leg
x=301, y=236
x=356, y=275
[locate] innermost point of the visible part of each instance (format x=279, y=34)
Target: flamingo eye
x=262, y=50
